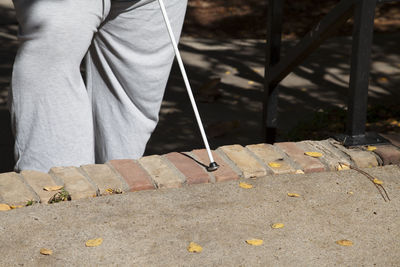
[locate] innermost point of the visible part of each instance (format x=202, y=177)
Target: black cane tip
x=213, y=167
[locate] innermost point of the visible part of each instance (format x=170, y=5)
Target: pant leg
x=128, y=67
x=50, y=107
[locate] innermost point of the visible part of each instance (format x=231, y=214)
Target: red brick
x=306, y=163
x=393, y=138
x=133, y=174
x=224, y=172
x=189, y=168
x=389, y=154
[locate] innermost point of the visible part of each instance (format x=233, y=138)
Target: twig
x=371, y=178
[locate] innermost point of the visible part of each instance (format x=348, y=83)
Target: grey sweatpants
x=59, y=120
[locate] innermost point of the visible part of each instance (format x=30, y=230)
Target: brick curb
x=175, y=170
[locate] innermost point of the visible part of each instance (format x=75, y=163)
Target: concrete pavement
x=154, y=228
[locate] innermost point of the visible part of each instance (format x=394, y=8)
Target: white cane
x=213, y=165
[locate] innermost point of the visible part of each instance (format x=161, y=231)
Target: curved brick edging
x=179, y=169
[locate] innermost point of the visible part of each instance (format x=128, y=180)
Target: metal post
x=359, y=77
x=273, y=51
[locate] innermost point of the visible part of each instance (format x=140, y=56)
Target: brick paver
x=39, y=180
x=295, y=153
x=224, y=172
x=389, y=154
x=163, y=174
x=249, y=166
x=268, y=155
x=393, y=138
x=361, y=158
x=331, y=155
x=75, y=182
x=189, y=168
x=14, y=191
x=134, y=175
x=104, y=178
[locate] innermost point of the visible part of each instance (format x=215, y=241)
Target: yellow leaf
x=94, y=242
x=299, y=172
x=350, y=192
x=394, y=122
x=383, y=80
x=4, y=207
x=195, y=248
x=109, y=190
x=314, y=154
x=342, y=167
x=227, y=72
x=255, y=242
x=274, y=164
x=16, y=207
x=245, y=185
x=53, y=188
x=250, y=82
x=293, y=195
x=377, y=181
x=277, y=225
x=45, y=251
x=371, y=148
x=303, y=89
x=344, y=242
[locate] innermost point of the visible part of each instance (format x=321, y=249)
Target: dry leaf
x=277, y=225
x=299, y=172
x=350, y=192
x=227, y=72
x=344, y=242
x=195, y=248
x=245, y=185
x=293, y=195
x=16, y=207
x=342, y=167
x=4, y=207
x=383, y=79
x=250, y=82
x=45, y=251
x=94, y=242
x=53, y=188
x=274, y=164
x=314, y=154
x=377, y=181
x=371, y=148
x=255, y=242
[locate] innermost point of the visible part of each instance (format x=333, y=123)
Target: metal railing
x=276, y=69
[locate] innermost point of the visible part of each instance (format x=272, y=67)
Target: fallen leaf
x=303, y=89
x=377, y=181
x=350, y=192
x=293, y=195
x=227, y=72
x=245, y=185
x=16, y=207
x=314, y=154
x=383, y=79
x=344, y=242
x=277, y=225
x=342, y=167
x=4, y=207
x=371, y=148
x=94, y=242
x=45, y=251
x=299, y=172
x=274, y=164
x=53, y=188
x=195, y=248
x=255, y=242
x=250, y=82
